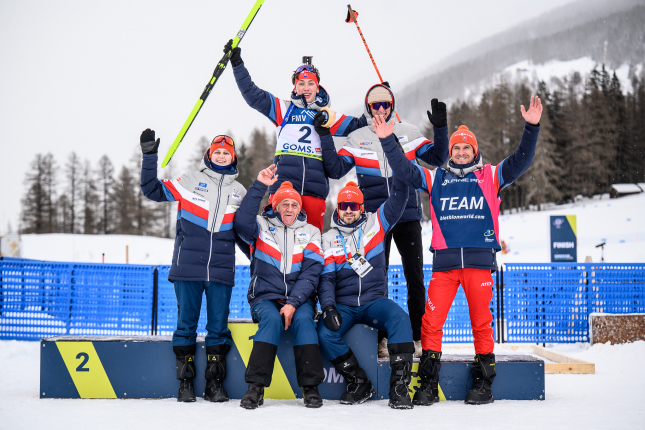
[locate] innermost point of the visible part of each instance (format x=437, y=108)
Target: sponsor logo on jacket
x=303, y=238
x=403, y=139
x=204, y=190
x=203, y=184
x=365, y=143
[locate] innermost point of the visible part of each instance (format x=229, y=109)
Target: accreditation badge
x=360, y=265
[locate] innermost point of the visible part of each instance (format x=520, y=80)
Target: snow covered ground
x=608, y=399
x=619, y=222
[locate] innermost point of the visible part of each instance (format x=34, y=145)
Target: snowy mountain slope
x=614, y=38
x=619, y=222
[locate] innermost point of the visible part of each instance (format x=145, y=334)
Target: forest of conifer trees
x=592, y=135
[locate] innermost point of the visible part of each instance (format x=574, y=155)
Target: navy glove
x=319, y=119
x=148, y=143
x=236, y=56
x=332, y=318
x=438, y=117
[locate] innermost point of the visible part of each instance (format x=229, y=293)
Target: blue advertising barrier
x=540, y=303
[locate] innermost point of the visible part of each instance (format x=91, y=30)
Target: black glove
x=236, y=56
x=319, y=119
x=148, y=143
x=332, y=318
x=438, y=117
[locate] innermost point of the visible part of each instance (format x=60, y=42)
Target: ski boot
x=483, y=371
x=429, y=366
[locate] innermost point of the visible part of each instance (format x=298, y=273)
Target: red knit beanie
x=286, y=191
x=222, y=142
x=463, y=135
x=351, y=193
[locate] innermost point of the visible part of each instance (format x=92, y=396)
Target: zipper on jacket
x=462, y=258
x=179, y=250
x=302, y=190
x=255, y=278
x=210, y=254
x=387, y=183
x=286, y=257
x=360, y=287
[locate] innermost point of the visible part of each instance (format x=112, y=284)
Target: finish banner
x=564, y=239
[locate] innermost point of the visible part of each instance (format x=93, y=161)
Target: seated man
x=353, y=291
x=286, y=261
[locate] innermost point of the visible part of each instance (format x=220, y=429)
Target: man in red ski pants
x=464, y=208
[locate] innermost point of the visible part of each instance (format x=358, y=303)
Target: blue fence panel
x=167, y=302
x=546, y=303
x=617, y=288
x=40, y=299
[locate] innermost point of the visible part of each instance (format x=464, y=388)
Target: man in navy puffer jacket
x=286, y=261
x=204, y=256
x=363, y=150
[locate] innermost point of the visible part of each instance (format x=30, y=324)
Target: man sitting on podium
x=353, y=289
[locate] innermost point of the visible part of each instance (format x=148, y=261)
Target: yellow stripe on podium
x=280, y=387
x=86, y=370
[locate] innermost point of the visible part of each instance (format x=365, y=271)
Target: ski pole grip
x=330, y=117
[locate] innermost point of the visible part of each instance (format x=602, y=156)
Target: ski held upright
x=219, y=69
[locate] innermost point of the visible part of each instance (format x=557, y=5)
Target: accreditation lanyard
x=359, y=264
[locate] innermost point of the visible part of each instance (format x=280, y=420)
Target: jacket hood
x=366, y=108
x=346, y=228
x=274, y=218
x=462, y=170
x=322, y=100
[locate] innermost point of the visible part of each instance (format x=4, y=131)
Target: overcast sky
x=89, y=76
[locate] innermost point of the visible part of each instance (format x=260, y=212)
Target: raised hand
x=236, y=53
x=267, y=176
x=532, y=116
x=148, y=143
x=438, y=116
x=382, y=128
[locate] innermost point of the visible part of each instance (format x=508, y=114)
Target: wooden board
x=563, y=363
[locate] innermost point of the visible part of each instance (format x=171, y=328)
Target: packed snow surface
x=619, y=222
x=608, y=399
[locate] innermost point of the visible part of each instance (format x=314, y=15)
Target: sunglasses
x=353, y=206
x=379, y=105
x=225, y=139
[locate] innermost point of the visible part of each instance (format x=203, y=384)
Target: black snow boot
x=215, y=373
x=311, y=396
x=359, y=388
x=429, y=367
x=254, y=397
x=400, y=378
x=483, y=371
x=186, y=374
